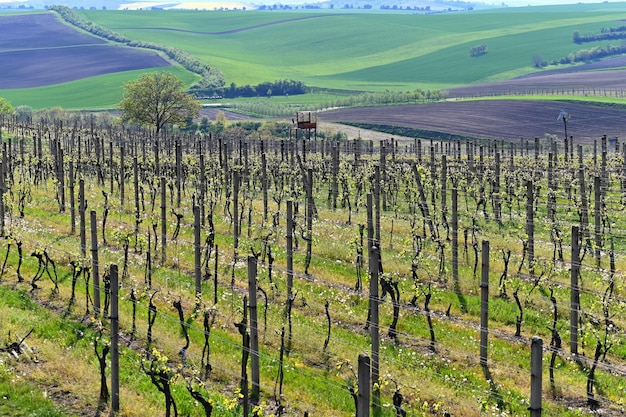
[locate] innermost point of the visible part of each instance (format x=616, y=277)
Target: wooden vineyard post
x=254, y=329
x=597, y=219
x=536, y=369
x=60, y=176
x=289, y=250
x=122, y=174
x=264, y=181
x=433, y=175
x=444, y=184
x=419, y=151
x=574, y=293
x=202, y=187
x=157, y=166
x=530, y=224
x=374, y=265
x=335, y=168
x=179, y=171
x=136, y=196
x=72, y=202
x=163, y=221
x=82, y=208
x=2, y=191
x=235, y=214
x=382, y=179
x=115, y=365
x=623, y=169
x=584, y=208
x=111, y=176
x=197, y=250
x=310, y=212
x=95, y=266
x=363, y=396
x=455, y=236
x=377, y=203
x=484, y=305
x=551, y=189
x=496, y=190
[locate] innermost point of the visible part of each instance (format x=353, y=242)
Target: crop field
x=493, y=119
x=38, y=50
x=332, y=50
x=214, y=239
x=367, y=51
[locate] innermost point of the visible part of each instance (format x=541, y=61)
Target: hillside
x=333, y=51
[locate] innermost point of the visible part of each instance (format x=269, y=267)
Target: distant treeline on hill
x=211, y=76
x=584, y=55
x=264, y=89
x=605, y=34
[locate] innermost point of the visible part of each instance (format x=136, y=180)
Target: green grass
x=372, y=51
x=102, y=92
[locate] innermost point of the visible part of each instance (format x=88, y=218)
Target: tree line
x=597, y=52
x=264, y=89
x=211, y=77
x=605, y=34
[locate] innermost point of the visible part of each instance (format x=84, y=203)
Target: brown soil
x=38, y=50
x=497, y=119
x=514, y=119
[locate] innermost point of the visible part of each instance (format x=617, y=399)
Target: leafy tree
x=158, y=99
x=24, y=113
x=6, y=109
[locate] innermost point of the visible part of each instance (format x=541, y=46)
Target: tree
x=157, y=99
x=24, y=113
x=6, y=109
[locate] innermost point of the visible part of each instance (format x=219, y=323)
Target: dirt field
x=38, y=50
x=579, y=78
x=498, y=119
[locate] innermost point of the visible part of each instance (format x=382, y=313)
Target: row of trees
x=264, y=89
x=605, y=35
x=586, y=55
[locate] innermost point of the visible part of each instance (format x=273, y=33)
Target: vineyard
x=196, y=275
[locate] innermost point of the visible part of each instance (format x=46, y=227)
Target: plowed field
x=38, y=50
x=498, y=119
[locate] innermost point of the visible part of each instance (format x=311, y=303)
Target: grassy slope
x=396, y=51
x=350, y=51
x=91, y=93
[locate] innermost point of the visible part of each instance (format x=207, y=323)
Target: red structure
x=304, y=125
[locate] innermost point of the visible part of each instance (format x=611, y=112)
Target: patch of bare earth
x=495, y=119
x=38, y=50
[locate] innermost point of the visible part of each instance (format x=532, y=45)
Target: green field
x=369, y=51
x=353, y=51
x=100, y=92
